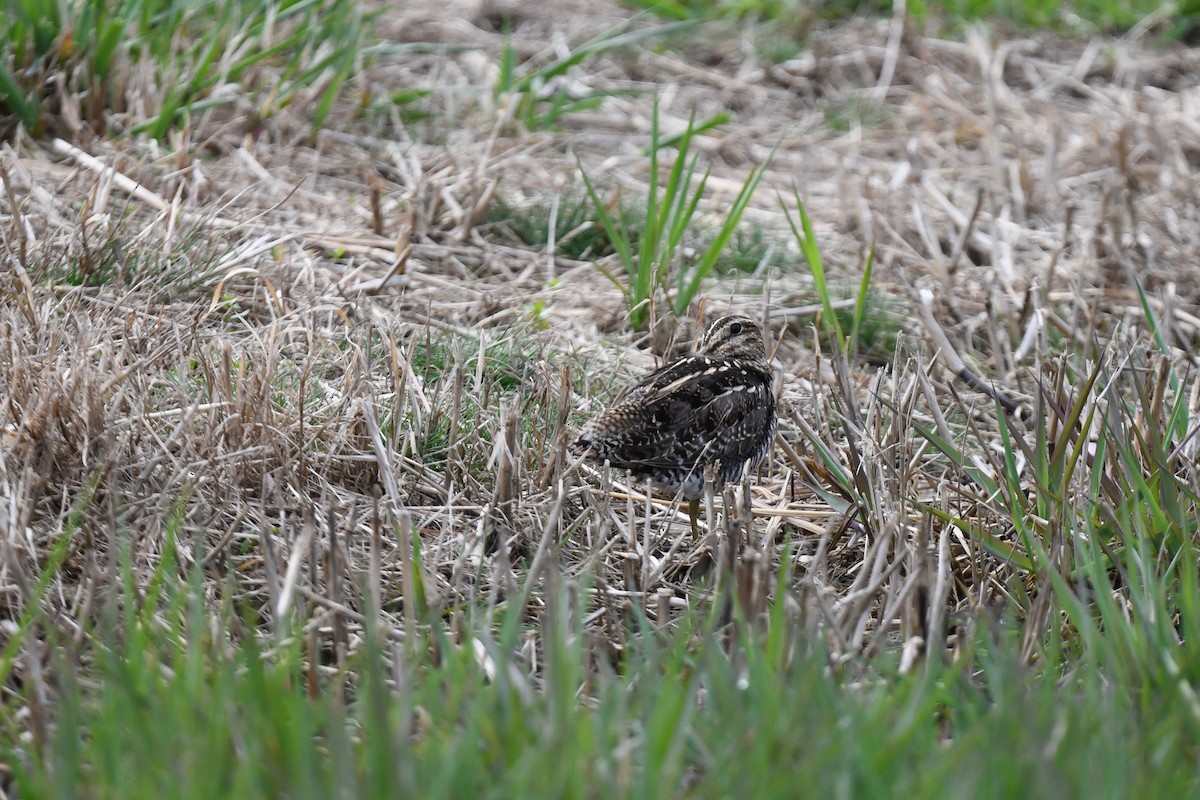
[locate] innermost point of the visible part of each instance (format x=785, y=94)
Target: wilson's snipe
x=716, y=407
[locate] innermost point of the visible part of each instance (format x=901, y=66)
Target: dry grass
x=292, y=353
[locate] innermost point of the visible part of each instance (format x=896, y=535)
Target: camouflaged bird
x=714, y=407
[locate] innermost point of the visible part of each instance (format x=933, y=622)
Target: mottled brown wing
x=745, y=422
x=630, y=429
x=698, y=409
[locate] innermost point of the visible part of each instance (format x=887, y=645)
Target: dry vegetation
x=286, y=353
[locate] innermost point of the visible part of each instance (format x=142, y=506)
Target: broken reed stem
x=333, y=589
x=952, y=358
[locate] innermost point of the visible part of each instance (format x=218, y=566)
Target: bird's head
x=734, y=336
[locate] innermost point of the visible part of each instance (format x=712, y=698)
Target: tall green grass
x=1070, y=668
x=199, y=55
x=164, y=698
x=658, y=266
x=538, y=95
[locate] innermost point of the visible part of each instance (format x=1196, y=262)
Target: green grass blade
x=505, y=81
x=685, y=208
x=860, y=302
x=1008, y=551
x=57, y=555
x=332, y=90
x=811, y=251
x=709, y=258
x=11, y=94
x=1151, y=317
x=715, y=121
x=959, y=459
x=619, y=36
x=616, y=235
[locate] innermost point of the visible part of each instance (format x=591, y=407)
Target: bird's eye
x=735, y=328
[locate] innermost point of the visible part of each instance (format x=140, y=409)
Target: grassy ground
x=301, y=308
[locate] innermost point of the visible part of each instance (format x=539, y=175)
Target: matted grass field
x=303, y=302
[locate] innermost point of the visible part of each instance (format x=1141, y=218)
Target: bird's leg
x=693, y=510
x=710, y=485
